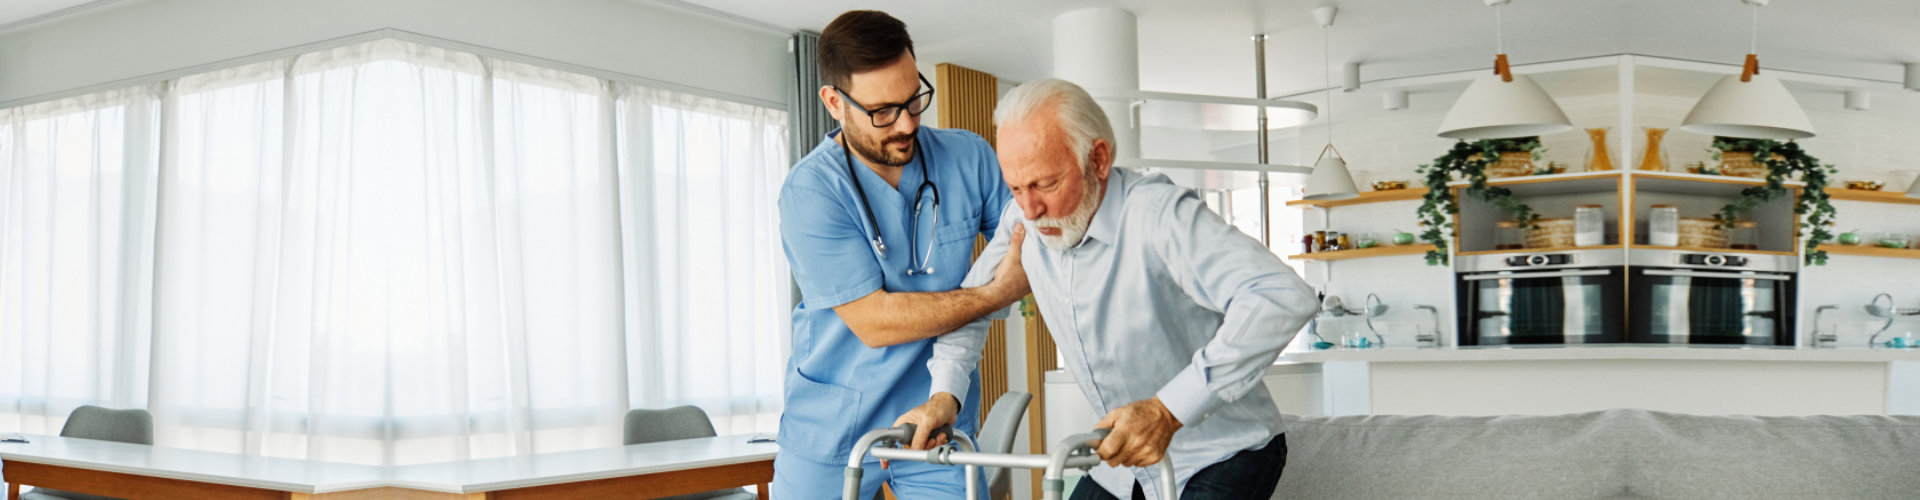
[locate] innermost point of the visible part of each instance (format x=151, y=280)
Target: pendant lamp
x=1914, y=192
x=1503, y=105
x=1330, y=179
x=1749, y=105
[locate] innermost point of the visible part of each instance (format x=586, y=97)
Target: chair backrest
x=685, y=422
x=996, y=436
x=126, y=426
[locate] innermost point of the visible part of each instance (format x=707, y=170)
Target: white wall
x=143, y=37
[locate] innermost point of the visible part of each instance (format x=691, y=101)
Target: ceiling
x=1203, y=46
x=14, y=11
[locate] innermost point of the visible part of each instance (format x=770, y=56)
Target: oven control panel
x=1536, y=260
x=1714, y=260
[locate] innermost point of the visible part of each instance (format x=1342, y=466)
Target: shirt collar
x=1106, y=220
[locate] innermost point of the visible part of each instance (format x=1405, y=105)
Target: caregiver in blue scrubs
x=878, y=222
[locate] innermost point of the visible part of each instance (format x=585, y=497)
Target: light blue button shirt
x=1162, y=298
x=837, y=388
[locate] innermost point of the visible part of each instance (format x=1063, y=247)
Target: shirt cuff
x=955, y=385
x=1188, y=398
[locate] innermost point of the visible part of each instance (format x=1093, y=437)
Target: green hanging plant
x=1469, y=161
x=1784, y=161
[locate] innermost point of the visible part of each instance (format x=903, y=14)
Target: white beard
x=1073, y=227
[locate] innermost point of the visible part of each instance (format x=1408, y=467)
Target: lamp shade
x=1757, y=109
x=1496, y=109
x=1330, y=180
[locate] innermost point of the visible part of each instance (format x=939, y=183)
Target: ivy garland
x=1784, y=160
x=1469, y=161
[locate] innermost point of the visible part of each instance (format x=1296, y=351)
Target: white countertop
x=1282, y=367
x=306, y=476
x=1609, y=352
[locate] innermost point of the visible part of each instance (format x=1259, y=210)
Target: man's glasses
x=886, y=115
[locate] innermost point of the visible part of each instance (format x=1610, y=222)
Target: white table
x=139, y=471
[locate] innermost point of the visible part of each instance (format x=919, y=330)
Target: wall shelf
x=1895, y=197
x=1871, y=251
x=1518, y=251
x=1364, y=198
x=1714, y=250
x=1365, y=252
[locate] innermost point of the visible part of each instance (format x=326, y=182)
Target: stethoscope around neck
x=924, y=265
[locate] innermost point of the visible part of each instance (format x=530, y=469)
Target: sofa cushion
x=1394, y=456
x=1608, y=454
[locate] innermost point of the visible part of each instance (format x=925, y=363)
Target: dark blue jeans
x=1249, y=474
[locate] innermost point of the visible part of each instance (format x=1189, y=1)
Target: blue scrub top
x=837, y=388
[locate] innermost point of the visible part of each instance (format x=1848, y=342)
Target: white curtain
x=391, y=253
x=76, y=201
x=707, y=282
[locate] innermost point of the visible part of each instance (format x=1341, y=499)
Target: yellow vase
x=1599, y=160
x=1654, y=159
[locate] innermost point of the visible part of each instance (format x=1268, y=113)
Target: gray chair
x=93, y=422
x=685, y=422
x=996, y=436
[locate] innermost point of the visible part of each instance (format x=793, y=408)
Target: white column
x=1099, y=49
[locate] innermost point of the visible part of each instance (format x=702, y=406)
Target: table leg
x=763, y=490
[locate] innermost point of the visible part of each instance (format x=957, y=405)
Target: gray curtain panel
x=809, y=121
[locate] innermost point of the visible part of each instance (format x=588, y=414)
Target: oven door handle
x=1544, y=274
x=1706, y=274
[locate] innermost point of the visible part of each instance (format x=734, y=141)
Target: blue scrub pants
x=796, y=478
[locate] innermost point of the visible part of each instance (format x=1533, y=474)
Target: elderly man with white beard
x=1166, y=315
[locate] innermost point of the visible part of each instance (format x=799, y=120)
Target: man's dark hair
x=859, y=41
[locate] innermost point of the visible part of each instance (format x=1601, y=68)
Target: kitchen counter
x=1608, y=352
x=1556, y=379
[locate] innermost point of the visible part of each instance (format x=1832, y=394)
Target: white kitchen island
x=1545, y=380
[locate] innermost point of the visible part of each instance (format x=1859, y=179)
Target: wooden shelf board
x=1365, y=252
x=1895, y=197
x=1713, y=250
x=1871, y=251
x=1364, y=198
x=1540, y=250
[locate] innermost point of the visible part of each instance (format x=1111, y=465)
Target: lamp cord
x=1753, y=32
x=1326, y=77
x=1499, y=36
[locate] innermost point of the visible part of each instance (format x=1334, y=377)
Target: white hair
x=1075, y=111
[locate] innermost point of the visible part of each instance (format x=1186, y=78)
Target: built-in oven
x=1570, y=297
x=1691, y=297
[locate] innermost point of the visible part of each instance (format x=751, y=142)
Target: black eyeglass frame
x=873, y=115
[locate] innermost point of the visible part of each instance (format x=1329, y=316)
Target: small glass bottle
x=1745, y=235
x=1589, y=226
x=1507, y=236
x=1663, y=226
x=1306, y=244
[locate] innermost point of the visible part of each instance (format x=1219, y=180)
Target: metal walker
x=1072, y=453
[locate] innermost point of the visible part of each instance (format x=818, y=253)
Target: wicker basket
x=1551, y=233
x=1511, y=164
x=1741, y=164
x=1701, y=233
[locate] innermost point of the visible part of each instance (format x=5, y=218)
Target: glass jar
x=1507, y=236
x=1319, y=241
x=1343, y=242
x=1589, y=226
x=1745, y=235
x=1663, y=226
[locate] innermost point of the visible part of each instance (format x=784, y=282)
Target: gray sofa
x=1608, y=454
